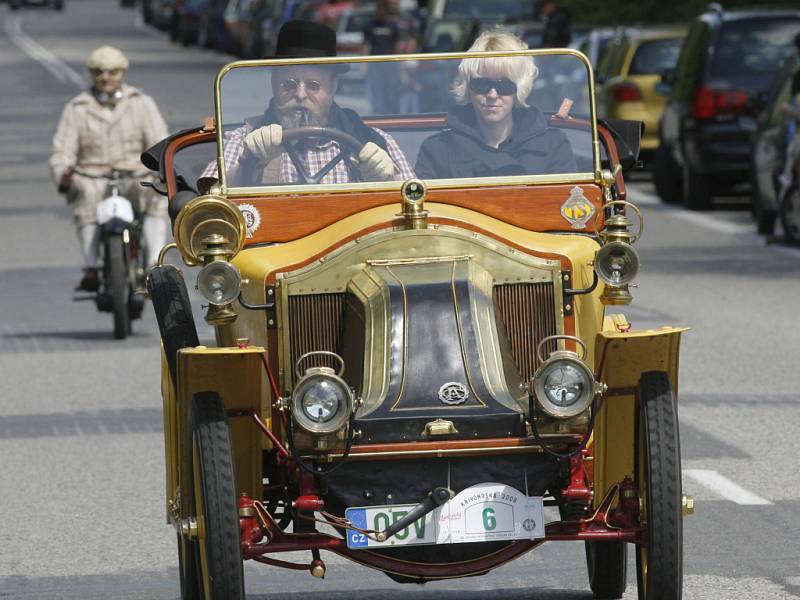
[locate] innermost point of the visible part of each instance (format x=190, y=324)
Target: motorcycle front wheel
x=118, y=285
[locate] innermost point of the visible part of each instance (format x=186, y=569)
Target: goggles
x=290, y=86
x=482, y=85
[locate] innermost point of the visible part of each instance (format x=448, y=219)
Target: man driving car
x=303, y=96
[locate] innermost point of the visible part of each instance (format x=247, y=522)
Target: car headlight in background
x=322, y=401
x=219, y=282
x=616, y=263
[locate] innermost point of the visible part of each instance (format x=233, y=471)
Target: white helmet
x=107, y=58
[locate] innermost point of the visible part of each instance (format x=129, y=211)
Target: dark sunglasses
x=290, y=86
x=503, y=87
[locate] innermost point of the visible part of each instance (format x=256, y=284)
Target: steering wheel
x=348, y=144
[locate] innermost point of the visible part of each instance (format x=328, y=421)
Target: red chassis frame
x=256, y=523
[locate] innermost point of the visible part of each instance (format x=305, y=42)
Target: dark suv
x=727, y=60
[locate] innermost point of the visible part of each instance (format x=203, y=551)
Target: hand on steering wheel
x=267, y=142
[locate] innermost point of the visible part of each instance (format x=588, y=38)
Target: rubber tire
x=791, y=200
x=187, y=574
x=210, y=462
x=58, y=4
x=118, y=285
x=167, y=291
x=659, y=565
x=608, y=568
x=667, y=176
x=696, y=190
x=765, y=219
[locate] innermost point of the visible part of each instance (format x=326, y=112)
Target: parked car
x=727, y=59
x=595, y=43
x=211, y=25
x=159, y=13
x=769, y=150
x=628, y=75
x=54, y=4
x=406, y=373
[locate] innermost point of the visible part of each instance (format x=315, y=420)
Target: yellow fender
x=621, y=357
x=237, y=375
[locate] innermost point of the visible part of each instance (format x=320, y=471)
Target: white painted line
x=54, y=65
x=725, y=487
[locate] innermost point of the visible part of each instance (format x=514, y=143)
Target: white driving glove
x=375, y=163
x=265, y=142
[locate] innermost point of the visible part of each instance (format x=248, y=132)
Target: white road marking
x=725, y=487
x=744, y=233
x=54, y=65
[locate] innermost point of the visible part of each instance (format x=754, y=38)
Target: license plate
x=481, y=513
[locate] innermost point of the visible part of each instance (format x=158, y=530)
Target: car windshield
x=494, y=118
x=656, y=56
x=753, y=47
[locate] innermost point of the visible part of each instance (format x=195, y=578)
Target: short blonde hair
x=521, y=70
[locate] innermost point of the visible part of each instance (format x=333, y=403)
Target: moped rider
x=107, y=127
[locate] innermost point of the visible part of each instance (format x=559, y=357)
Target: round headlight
x=207, y=216
x=564, y=386
x=322, y=401
x=616, y=263
x=219, y=282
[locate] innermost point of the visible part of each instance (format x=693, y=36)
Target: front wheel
x=667, y=176
x=790, y=214
x=608, y=568
x=659, y=562
x=118, y=285
x=696, y=190
x=213, y=501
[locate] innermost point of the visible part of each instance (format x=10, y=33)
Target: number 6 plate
x=481, y=513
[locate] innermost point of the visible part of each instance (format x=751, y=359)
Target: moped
x=121, y=254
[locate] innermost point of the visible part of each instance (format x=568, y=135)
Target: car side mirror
x=668, y=78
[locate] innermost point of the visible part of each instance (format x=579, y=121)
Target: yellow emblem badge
x=577, y=209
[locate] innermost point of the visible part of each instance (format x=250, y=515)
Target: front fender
x=237, y=374
x=622, y=356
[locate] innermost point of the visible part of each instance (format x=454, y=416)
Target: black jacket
x=534, y=148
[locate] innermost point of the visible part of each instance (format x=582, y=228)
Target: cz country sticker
x=252, y=218
x=577, y=209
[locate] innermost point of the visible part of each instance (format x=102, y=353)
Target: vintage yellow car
x=427, y=373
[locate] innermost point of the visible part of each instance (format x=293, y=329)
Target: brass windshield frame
x=282, y=190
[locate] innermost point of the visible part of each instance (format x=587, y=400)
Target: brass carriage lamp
x=616, y=262
x=210, y=230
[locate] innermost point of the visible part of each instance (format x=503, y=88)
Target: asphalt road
x=81, y=449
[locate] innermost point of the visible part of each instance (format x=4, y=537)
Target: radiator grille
x=528, y=312
x=315, y=323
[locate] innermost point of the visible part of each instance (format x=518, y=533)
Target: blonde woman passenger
x=493, y=131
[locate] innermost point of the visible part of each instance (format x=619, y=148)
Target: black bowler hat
x=307, y=39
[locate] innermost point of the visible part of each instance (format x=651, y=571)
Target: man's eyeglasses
x=503, y=87
x=290, y=86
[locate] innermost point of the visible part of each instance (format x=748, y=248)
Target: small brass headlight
x=209, y=217
x=616, y=263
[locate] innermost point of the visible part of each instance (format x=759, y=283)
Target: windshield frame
x=474, y=182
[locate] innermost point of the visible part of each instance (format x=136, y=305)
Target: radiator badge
x=252, y=218
x=577, y=209
x=453, y=393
